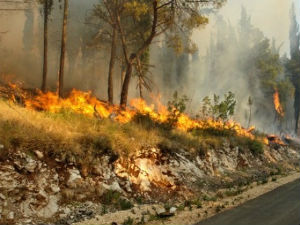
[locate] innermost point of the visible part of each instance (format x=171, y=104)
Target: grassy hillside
x=69, y=134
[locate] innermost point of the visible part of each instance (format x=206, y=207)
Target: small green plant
x=187, y=203
x=176, y=107
x=167, y=207
x=104, y=210
x=139, y=200
x=128, y=221
x=142, y=221
x=180, y=207
x=264, y=180
x=219, y=109
x=125, y=204
x=209, y=198
x=256, y=147
x=153, y=217
x=111, y=197
x=197, y=203
x=274, y=179
x=230, y=193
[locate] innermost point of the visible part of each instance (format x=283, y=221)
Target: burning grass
x=67, y=133
x=84, y=127
x=86, y=104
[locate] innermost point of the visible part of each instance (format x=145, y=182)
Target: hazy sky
x=270, y=16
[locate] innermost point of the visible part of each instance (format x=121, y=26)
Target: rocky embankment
x=37, y=188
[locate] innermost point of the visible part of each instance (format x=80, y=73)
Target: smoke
x=272, y=18
x=217, y=69
x=86, y=67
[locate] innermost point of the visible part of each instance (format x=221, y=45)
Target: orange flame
x=274, y=139
x=277, y=104
x=87, y=104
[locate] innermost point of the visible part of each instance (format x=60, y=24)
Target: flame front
x=87, y=104
x=277, y=104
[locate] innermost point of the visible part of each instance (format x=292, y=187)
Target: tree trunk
x=250, y=117
x=123, y=72
x=111, y=67
x=63, y=51
x=141, y=87
x=140, y=51
x=297, y=110
x=124, y=93
x=45, y=62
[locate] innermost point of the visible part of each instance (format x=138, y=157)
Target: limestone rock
x=173, y=210
x=11, y=215
x=39, y=154
x=74, y=175
x=30, y=165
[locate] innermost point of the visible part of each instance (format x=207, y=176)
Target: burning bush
x=176, y=108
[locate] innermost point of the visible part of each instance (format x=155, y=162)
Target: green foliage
x=256, y=147
x=268, y=63
x=233, y=192
x=292, y=65
x=176, y=107
x=111, y=197
x=114, y=198
x=128, y=221
x=219, y=109
x=125, y=204
x=213, y=132
x=197, y=202
x=177, y=104
x=209, y=198
x=264, y=180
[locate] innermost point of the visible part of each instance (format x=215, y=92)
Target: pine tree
x=293, y=65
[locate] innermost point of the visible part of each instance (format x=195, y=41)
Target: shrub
x=176, y=107
x=209, y=199
x=211, y=131
x=111, y=197
x=147, y=122
x=264, y=180
x=197, y=203
x=128, y=221
x=256, y=147
x=219, y=109
x=125, y=204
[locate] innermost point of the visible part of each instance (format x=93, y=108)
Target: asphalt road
x=278, y=207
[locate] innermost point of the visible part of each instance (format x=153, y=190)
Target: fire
x=87, y=104
x=80, y=102
x=274, y=139
x=277, y=104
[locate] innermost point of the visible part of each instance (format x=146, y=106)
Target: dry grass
x=67, y=134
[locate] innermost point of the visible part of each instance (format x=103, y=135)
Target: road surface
x=278, y=207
